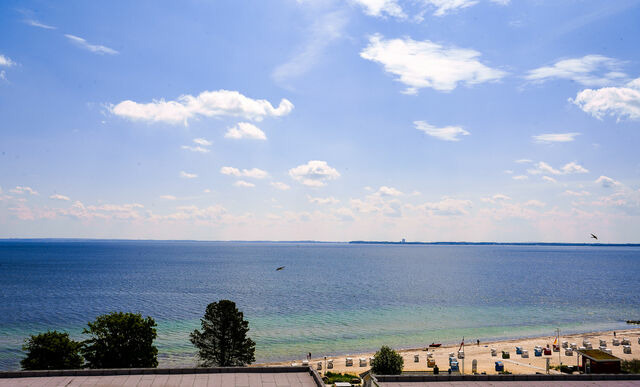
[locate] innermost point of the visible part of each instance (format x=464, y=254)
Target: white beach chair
x=589, y=345
x=305, y=363
x=460, y=354
x=626, y=349
x=565, y=344
x=574, y=346
x=330, y=364
x=348, y=362
x=568, y=352
x=494, y=352
x=615, y=342
x=608, y=350
x=603, y=343
x=294, y=364
x=525, y=353
x=625, y=341
x=363, y=362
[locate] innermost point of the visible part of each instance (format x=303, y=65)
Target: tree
x=387, y=362
x=51, y=350
x=223, y=341
x=121, y=340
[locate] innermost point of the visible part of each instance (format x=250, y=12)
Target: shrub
x=387, y=362
x=51, y=350
x=332, y=377
x=631, y=366
x=121, y=340
x=223, y=341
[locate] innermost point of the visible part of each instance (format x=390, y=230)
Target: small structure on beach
x=595, y=361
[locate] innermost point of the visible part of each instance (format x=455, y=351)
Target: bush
x=631, y=366
x=121, y=340
x=331, y=377
x=387, y=362
x=51, y=351
x=223, y=341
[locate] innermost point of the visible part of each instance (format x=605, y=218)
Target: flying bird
x=593, y=236
x=280, y=268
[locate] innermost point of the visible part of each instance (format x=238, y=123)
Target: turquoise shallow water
x=330, y=299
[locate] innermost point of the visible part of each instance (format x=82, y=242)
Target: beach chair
x=499, y=366
x=603, y=343
x=330, y=364
x=546, y=351
x=518, y=350
x=363, y=362
x=588, y=345
x=305, y=363
x=494, y=352
x=454, y=366
x=625, y=341
x=568, y=352
x=525, y=353
x=505, y=355
x=556, y=348
x=626, y=349
x=608, y=350
x=319, y=366
x=537, y=352
x=348, y=362
x=431, y=362
x=615, y=342
x=565, y=344
x=460, y=354
x=451, y=354
x=294, y=364
x=584, y=342
x=574, y=346
x=416, y=358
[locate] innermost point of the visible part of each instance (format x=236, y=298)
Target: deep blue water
x=330, y=298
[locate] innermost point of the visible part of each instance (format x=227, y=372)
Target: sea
x=330, y=298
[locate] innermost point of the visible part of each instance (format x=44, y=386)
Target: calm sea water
x=329, y=299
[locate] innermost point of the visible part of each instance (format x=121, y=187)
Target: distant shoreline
x=444, y=243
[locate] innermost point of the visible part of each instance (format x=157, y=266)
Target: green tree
x=121, y=340
x=223, y=341
x=51, y=350
x=387, y=362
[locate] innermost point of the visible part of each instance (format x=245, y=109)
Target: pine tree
x=223, y=341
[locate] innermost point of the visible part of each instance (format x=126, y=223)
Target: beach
x=486, y=363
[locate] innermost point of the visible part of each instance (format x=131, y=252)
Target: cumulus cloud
x=314, y=173
x=524, y=161
x=555, y=137
x=202, y=141
x=446, y=6
x=242, y=183
x=620, y=102
x=35, y=23
x=19, y=190
x=207, y=104
x=496, y=198
x=549, y=179
x=576, y=193
x=567, y=169
x=607, y=182
x=389, y=191
x=381, y=8
x=186, y=175
x=327, y=200
x=447, y=133
x=168, y=197
x=280, y=185
x=420, y=64
x=95, y=48
x=6, y=61
x=59, y=197
x=254, y=173
x=245, y=130
x=590, y=70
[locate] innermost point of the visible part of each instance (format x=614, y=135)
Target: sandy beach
x=486, y=363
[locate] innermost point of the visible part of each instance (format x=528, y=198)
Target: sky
x=329, y=120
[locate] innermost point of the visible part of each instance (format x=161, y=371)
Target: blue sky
x=431, y=120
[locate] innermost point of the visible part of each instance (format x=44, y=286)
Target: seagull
x=593, y=236
x=280, y=268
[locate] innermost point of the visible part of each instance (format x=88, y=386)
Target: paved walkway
x=298, y=379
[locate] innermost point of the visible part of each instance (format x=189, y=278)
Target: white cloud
x=607, y=182
x=186, y=175
x=254, y=173
x=23, y=190
x=567, y=169
x=555, y=137
x=447, y=133
x=389, y=191
x=314, y=173
x=279, y=185
x=327, y=200
x=195, y=149
x=327, y=29
x=242, y=183
x=168, y=197
x=534, y=203
x=445, y=6
x=245, y=130
x=59, y=197
x=207, y=104
x=619, y=102
x=549, y=179
x=420, y=64
x=381, y=8
x=36, y=23
x=6, y=61
x=202, y=141
x=447, y=206
x=501, y=2
x=3, y=75
x=95, y=48
x=520, y=177
x=496, y=198
x=590, y=70
x=524, y=161
x=577, y=194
